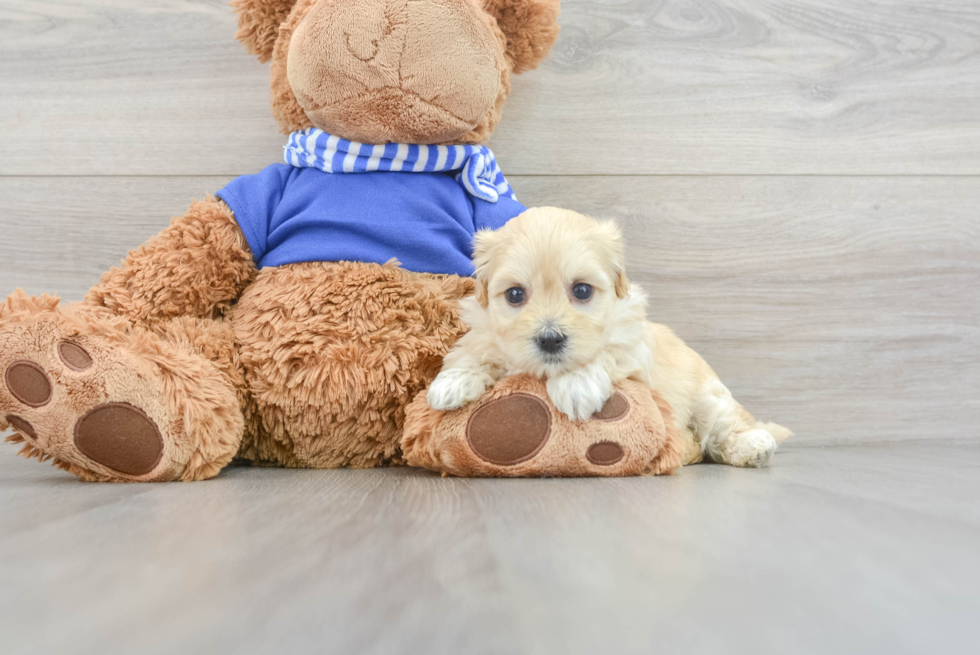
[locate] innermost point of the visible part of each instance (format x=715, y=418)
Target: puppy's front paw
x=752, y=448
x=454, y=388
x=578, y=394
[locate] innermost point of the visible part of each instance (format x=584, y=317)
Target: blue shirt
x=424, y=220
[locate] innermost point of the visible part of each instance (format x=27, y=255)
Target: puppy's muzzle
x=550, y=341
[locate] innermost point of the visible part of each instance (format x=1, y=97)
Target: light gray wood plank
x=870, y=472
x=61, y=234
x=117, y=86
x=717, y=86
x=846, y=309
x=826, y=552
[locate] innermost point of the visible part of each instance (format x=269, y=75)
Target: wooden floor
x=861, y=549
x=799, y=181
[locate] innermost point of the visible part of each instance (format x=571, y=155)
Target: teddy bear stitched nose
x=374, y=26
x=361, y=47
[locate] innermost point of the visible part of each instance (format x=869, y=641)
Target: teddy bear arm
x=195, y=267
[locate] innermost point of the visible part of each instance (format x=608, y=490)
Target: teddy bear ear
x=258, y=24
x=531, y=27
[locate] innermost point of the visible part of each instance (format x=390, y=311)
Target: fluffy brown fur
x=531, y=27
x=397, y=75
x=195, y=267
x=302, y=365
x=166, y=373
x=313, y=368
x=334, y=352
x=258, y=24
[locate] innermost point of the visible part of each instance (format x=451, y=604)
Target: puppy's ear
x=482, y=296
x=485, y=244
x=258, y=24
x=610, y=241
x=622, y=284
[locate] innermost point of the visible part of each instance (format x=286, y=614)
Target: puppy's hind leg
x=729, y=434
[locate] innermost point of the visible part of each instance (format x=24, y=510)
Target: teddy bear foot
x=98, y=396
x=514, y=430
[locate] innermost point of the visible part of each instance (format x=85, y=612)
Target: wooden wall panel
x=845, y=307
x=159, y=87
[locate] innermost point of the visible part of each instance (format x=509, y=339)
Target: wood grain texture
x=159, y=87
x=799, y=181
x=832, y=550
x=845, y=308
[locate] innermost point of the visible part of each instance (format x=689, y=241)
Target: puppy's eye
x=582, y=291
x=514, y=295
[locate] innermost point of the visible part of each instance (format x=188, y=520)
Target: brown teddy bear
x=272, y=323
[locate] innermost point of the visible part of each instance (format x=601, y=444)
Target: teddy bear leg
x=515, y=430
x=333, y=352
x=110, y=401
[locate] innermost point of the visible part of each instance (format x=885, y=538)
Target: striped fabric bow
x=478, y=170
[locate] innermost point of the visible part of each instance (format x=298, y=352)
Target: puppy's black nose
x=550, y=341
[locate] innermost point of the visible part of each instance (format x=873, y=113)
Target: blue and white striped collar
x=478, y=170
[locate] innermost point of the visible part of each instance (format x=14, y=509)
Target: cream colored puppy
x=553, y=300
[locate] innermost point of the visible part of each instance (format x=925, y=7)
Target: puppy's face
x=549, y=281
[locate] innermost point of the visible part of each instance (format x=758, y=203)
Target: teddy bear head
x=396, y=71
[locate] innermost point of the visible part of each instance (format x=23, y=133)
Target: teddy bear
x=292, y=318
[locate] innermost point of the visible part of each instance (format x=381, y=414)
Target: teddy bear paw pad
x=604, y=453
x=28, y=383
x=120, y=437
x=84, y=400
x=74, y=356
x=116, y=435
x=615, y=409
x=509, y=430
x=21, y=426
